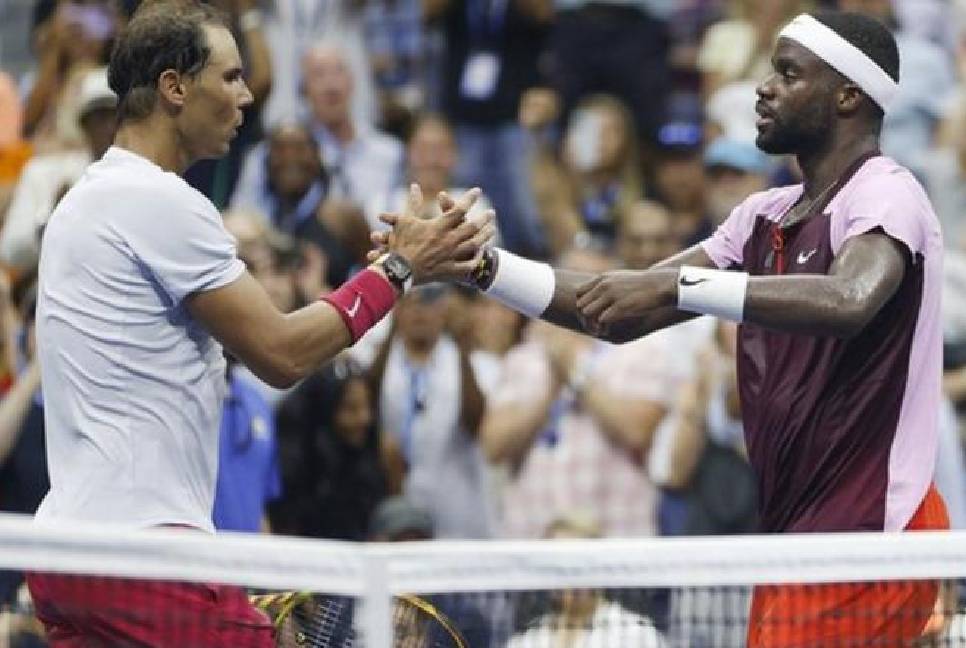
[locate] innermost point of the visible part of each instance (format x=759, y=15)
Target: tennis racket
x=306, y=620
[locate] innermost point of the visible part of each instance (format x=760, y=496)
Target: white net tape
x=374, y=573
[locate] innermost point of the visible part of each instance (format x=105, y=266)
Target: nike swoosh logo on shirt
x=803, y=258
x=691, y=282
x=355, y=306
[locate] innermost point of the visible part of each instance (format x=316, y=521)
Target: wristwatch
x=397, y=270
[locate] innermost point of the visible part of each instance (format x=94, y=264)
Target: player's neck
x=150, y=140
x=825, y=166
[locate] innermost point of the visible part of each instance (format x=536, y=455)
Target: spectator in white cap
x=46, y=178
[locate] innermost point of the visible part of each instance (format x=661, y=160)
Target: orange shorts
x=889, y=614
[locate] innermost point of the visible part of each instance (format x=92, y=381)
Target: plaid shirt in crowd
x=572, y=465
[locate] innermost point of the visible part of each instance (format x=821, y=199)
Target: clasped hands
x=613, y=305
x=449, y=248
x=446, y=248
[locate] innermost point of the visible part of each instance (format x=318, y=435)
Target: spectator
x=573, y=419
x=946, y=176
x=709, y=459
x=680, y=181
x=253, y=235
x=47, y=177
x=493, y=330
x=14, y=152
x=293, y=192
x=645, y=235
x=585, y=618
x=248, y=474
x=740, y=47
x=734, y=170
x=616, y=47
x=329, y=451
x=396, y=47
x=600, y=176
x=217, y=178
x=23, y=460
x=295, y=27
x=359, y=160
x=928, y=80
x=431, y=158
x=492, y=52
x=70, y=38
x=430, y=406
x=11, y=112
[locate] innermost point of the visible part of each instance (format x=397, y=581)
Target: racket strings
x=304, y=620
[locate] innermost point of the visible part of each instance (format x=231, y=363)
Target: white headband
x=842, y=55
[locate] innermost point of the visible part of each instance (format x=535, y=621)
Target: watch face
x=398, y=268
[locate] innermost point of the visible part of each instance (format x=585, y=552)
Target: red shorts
x=892, y=613
x=84, y=611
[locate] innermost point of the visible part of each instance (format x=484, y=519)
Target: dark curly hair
x=162, y=35
x=870, y=36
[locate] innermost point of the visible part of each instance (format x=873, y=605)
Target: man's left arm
x=864, y=275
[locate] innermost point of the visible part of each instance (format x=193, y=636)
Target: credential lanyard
x=550, y=434
x=418, y=396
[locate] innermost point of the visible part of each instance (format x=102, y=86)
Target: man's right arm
x=279, y=348
x=283, y=348
x=563, y=311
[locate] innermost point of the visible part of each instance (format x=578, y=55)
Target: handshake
x=446, y=248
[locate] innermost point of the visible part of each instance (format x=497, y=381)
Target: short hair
x=162, y=35
x=869, y=35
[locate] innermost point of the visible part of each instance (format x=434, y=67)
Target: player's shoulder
x=881, y=178
x=135, y=174
x=138, y=179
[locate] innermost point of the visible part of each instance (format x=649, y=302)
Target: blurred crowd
x=606, y=134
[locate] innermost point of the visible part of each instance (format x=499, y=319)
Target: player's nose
x=766, y=89
x=245, y=99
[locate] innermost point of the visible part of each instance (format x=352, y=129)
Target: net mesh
x=105, y=587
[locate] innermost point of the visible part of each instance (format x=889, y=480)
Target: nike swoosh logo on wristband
x=355, y=306
x=691, y=282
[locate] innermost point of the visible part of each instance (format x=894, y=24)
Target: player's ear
x=171, y=88
x=849, y=98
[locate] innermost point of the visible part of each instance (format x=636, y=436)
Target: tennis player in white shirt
x=139, y=288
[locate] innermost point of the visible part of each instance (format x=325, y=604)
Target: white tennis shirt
x=133, y=386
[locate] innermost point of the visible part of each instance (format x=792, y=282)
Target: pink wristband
x=362, y=301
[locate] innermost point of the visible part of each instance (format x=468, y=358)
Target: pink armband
x=362, y=301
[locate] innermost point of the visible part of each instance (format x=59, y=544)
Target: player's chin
x=221, y=148
x=767, y=142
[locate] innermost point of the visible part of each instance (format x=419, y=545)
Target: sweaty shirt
x=842, y=432
x=133, y=386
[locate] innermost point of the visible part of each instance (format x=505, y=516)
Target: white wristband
x=525, y=286
x=720, y=293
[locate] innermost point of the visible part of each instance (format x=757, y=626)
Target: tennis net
x=781, y=591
